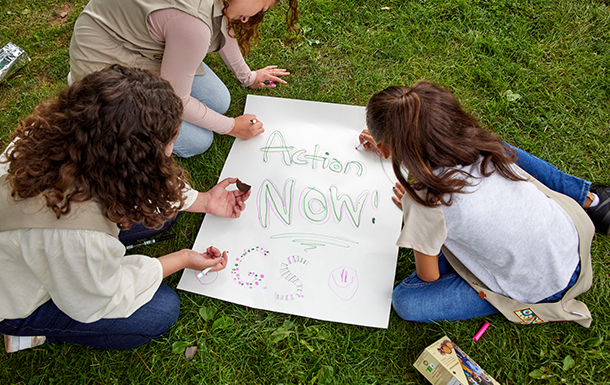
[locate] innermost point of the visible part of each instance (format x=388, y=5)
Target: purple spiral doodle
x=290, y=277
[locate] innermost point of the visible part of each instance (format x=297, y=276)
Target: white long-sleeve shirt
x=86, y=273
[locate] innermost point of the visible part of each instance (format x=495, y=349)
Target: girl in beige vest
x=171, y=38
x=95, y=160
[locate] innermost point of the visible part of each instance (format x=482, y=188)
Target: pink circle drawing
x=343, y=281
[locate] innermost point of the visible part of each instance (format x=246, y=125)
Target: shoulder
x=174, y=20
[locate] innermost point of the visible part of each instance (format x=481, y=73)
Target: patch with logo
x=527, y=316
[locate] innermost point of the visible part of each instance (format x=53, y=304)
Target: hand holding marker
x=363, y=145
x=213, y=254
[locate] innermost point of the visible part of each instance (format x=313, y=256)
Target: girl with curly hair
x=93, y=161
x=464, y=194
x=171, y=38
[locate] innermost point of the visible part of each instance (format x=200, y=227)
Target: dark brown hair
x=425, y=129
x=103, y=138
x=245, y=32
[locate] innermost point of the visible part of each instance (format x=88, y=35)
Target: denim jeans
x=451, y=298
x=148, y=322
x=140, y=231
x=211, y=91
x=552, y=177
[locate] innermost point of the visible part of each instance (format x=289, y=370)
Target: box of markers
x=444, y=363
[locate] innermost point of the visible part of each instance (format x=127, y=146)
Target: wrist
x=199, y=203
x=233, y=124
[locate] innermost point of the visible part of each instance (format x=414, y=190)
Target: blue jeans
x=451, y=298
x=140, y=231
x=211, y=91
x=552, y=177
x=150, y=321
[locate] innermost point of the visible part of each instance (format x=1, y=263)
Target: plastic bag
x=12, y=58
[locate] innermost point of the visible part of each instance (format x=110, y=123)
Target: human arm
x=424, y=231
x=89, y=277
x=87, y=274
x=192, y=259
x=426, y=266
x=221, y=202
x=231, y=55
x=266, y=77
x=187, y=40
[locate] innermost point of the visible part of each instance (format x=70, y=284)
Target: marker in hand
x=211, y=252
x=361, y=145
x=203, y=273
x=254, y=121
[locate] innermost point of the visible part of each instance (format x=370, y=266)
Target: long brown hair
x=103, y=138
x=425, y=129
x=248, y=31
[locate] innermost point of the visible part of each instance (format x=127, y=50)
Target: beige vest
x=115, y=31
x=33, y=213
x=568, y=308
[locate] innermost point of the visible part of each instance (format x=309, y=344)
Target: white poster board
x=318, y=236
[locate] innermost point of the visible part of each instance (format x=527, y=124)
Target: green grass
x=553, y=54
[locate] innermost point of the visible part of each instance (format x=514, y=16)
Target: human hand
x=367, y=142
x=212, y=257
x=224, y=203
x=399, y=192
x=187, y=258
x=268, y=77
x=246, y=126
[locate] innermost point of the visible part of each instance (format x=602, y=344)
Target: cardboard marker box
x=444, y=363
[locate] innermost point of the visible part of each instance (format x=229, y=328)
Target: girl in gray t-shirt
x=466, y=194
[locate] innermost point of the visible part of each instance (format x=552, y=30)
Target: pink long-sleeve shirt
x=187, y=40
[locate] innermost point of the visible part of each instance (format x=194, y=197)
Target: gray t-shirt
x=515, y=239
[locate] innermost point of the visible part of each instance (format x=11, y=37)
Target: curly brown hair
x=425, y=129
x=103, y=138
x=248, y=31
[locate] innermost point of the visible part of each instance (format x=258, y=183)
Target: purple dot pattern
x=251, y=278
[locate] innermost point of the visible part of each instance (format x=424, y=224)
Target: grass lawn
x=535, y=71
